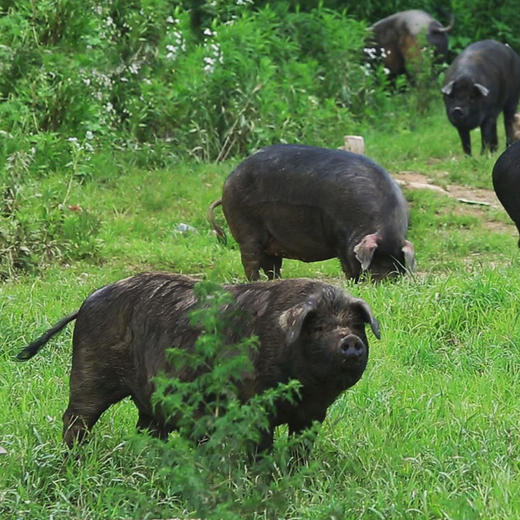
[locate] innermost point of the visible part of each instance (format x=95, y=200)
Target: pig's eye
x=318, y=328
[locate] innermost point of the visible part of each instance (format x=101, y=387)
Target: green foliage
x=482, y=20
x=430, y=431
x=206, y=80
x=209, y=461
x=135, y=73
x=37, y=228
x=98, y=104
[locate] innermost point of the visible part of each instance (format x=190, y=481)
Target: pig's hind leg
x=271, y=266
x=251, y=254
x=90, y=396
x=149, y=423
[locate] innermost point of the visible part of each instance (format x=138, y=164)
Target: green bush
x=135, y=72
x=206, y=80
x=37, y=227
x=209, y=461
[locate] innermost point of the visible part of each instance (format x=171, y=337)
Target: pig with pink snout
x=311, y=204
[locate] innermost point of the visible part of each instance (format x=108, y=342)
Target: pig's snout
x=457, y=113
x=353, y=349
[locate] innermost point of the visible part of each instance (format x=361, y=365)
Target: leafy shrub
x=252, y=77
x=209, y=460
x=206, y=80
x=34, y=232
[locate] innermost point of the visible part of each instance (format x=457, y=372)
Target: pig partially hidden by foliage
x=506, y=181
x=308, y=203
x=307, y=330
x=396, y=39
x=482, y=81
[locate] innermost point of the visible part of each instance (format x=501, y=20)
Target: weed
x=210, y=461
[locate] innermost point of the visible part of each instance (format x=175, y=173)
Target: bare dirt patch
x=416, y=180
x=474, y=201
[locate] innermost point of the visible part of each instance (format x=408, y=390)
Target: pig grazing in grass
x=310, y=204
x=307, y=330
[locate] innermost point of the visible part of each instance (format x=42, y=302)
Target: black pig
x=506, y=181
x=307, y=330
x=482, y=81
x=307, y=203
x=396, y=38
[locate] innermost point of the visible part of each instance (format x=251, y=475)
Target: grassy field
x=431, y=431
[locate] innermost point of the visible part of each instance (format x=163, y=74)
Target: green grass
x=431, y=431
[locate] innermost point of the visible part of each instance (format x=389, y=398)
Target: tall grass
x=430, y=431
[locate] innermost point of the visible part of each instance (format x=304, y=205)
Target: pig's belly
x=299, y=232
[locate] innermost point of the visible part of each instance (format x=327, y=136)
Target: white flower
x=74, y=141
x=89, y=134
x=209, y=64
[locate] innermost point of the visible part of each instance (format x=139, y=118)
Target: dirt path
x=414, y=180
x=474, y=201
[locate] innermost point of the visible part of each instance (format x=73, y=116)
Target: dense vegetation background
x=119, y=121
x=86, y=84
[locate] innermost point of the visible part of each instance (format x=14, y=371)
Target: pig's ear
x=448, y=88
x=484, y=91
x=409, y=255
x=364, y=250
x=291, y=321
x=366, y=313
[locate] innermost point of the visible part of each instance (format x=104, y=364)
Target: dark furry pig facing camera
x=307, y=330
x=311, y=204
x=482, y=81
x=506, y=181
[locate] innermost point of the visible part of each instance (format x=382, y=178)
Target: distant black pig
x=307, y=203
x=506, y=181
x=307, y=330
x=482, y=81
x=396, y=38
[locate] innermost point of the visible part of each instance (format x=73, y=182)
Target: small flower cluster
x=214, y=53
x=83, y=146
x=176, y=42
x=376, y=52
x=100, y=87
